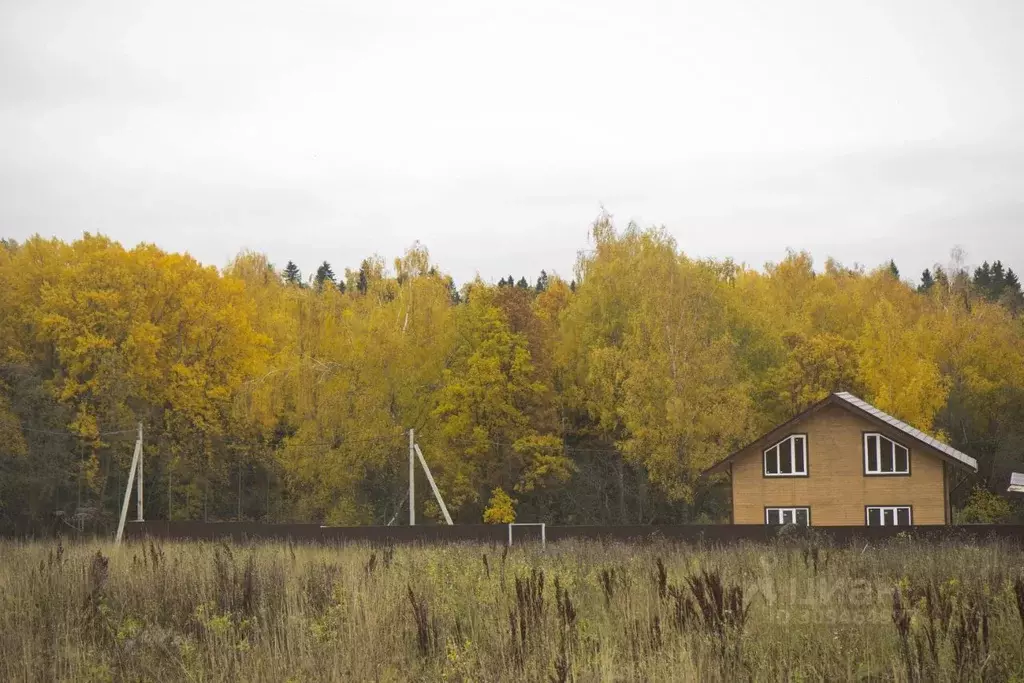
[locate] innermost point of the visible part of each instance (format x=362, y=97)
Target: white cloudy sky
x=494, y=132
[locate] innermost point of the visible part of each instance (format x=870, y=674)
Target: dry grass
x=572, y=612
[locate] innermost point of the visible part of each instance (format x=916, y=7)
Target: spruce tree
x=523, y=284
x=572, y=286
x=927, y=281
x=453, y=292
x=998, y=281
x=1011, y=296
x=893, y=270
x=983, y=278
x=323, y=274
x=291, y=274
x=1011, y=282
x=363, y=284
x=542, y=282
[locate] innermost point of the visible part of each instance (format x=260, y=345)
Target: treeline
x=265, y=395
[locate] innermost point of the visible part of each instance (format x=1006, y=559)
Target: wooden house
x=843, y=462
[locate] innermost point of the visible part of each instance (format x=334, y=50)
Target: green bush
x=985, y=507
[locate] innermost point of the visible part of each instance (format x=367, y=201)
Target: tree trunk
x=641, y=495
x=622, y=490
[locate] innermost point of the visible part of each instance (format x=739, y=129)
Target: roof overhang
x=724, y=463
x=862, y=409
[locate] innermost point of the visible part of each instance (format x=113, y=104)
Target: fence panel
x=241, y=532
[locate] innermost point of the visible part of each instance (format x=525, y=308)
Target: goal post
x=543, y=531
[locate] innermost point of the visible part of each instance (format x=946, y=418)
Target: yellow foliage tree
x=295, y=401
x=897, y=367
x=500, y=508
x=647, y=342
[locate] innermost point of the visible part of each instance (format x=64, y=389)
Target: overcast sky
x=494, y=132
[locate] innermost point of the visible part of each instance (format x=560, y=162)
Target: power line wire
x=343, y=442
x=231, y=442
x=77, y=436
x=383, y=440
x=567, y=449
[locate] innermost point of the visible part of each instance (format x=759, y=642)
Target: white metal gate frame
x=543, y=531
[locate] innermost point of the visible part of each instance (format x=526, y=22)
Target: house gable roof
x=863, y=408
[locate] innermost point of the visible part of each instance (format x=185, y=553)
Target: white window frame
x=878, y=454
x=791, y=511
x=790, y=441
x=882, y=509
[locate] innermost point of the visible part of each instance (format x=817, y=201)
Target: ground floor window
x=889, y=515
x=800, y=516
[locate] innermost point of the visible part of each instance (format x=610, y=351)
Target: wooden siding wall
x=836, y=488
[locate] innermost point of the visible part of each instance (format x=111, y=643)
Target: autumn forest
x=593, y=398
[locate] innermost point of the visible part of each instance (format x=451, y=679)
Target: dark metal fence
x=241, y=532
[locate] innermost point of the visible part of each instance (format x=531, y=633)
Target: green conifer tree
x=927, y=281
x=323, y=274
x=542, y=282
x=291, y=274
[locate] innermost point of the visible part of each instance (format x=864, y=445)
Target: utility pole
x=128, y=489
x=433, y=486
x=412, y=478
x=138, y=490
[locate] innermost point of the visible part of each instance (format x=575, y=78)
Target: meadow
x=573, y=611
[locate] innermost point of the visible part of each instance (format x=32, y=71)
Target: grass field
x=571, y=612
